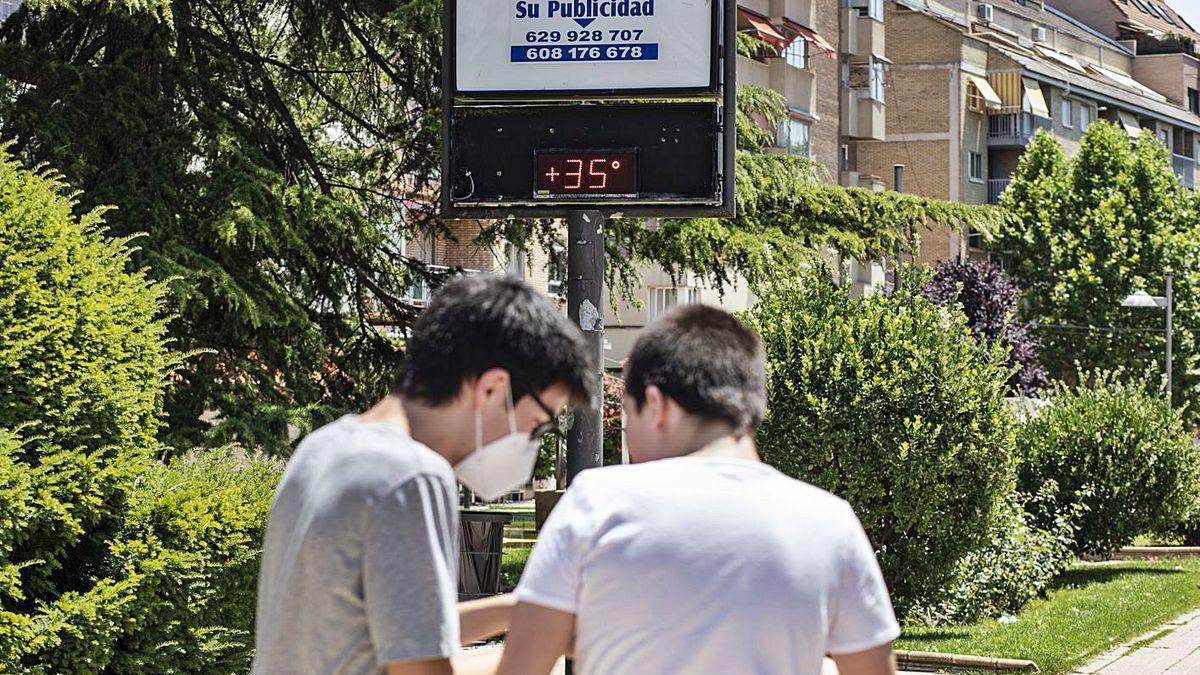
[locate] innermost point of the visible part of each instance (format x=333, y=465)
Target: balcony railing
x=1014, y=129
x=1185, y=169
x=996, y=187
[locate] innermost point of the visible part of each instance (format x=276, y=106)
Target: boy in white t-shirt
x=699, y=559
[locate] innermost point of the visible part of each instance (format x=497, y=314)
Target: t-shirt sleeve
x=552, y=576
x=862, y=610
x=410, y=572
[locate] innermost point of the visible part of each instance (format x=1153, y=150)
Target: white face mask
x=502, y=465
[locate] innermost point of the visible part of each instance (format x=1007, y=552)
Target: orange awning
x=762, y=26
x=813, y=37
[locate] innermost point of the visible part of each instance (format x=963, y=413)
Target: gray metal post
x=1170, y=328
x=585, y=302
x=898, y=175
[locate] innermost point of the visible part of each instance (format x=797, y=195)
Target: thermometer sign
x=603, y=173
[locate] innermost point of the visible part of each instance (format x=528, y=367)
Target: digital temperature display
x=603, y=173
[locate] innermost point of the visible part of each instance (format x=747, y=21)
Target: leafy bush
x=176, y=582
x=892, y=404
x=110, y=561
x=1119, y=451
x=990, y=299
x=84, y=361
x=1016, y=563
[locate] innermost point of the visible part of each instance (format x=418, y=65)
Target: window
x=556, y=272
x=795, y=136
x=796, y=53
x=664, y=298
x=514, y=264
x=877, y=80
x=1085, y=117
x=845, y=164
x=1194, y=101
x=1164, y=137
x=975, y=166
x=976, y=103
x=868, y=8
x=1065, y=110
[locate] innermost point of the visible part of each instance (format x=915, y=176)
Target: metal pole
x=585, y=288
x=585, y=302
x=898, y=175
x=1170, y=328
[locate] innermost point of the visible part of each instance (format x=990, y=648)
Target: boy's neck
x=721, y=442
x=435, y=427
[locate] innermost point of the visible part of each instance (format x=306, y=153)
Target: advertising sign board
x=503, y=47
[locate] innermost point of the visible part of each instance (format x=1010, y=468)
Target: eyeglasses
x=556, y=425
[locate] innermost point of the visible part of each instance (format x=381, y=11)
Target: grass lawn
x=1090, y=609
x=512, y=566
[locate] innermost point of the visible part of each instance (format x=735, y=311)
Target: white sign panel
x=574, y=45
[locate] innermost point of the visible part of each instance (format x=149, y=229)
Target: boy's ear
x=491, y=387
x=656, y=407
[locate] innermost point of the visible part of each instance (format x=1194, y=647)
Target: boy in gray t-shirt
x=360, y=559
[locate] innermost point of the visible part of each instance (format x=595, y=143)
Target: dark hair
x=484, y=321
x=707, y=361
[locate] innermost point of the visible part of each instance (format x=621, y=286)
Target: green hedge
x=1119, y=452
x=1016, y=563
x=110, y=561
x=892, y=404
x=83, y=356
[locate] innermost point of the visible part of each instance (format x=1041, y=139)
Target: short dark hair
x=484, y=321
x=705, y=360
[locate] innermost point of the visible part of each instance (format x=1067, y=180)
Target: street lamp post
x=1167, y=302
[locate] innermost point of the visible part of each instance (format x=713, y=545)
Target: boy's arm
x=432, y=667
x=877, y=661
x=538, y=637
x=484, y=618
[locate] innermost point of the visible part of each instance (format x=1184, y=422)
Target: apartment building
x=972, y=81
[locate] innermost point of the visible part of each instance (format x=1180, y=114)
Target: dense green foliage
x=81, y=342
x=1083, y=233
x=1118, y=451
x=110, y=561
x=893, y=405
x=1015, y=564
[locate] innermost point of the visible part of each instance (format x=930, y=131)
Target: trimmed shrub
x=83, y=369
x=110, y=561
x=177, y=582
x=1117, y=450
x=893, y=405
x=1016, y=564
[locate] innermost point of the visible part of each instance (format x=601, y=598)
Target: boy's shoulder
x=375, y=456
x=667, y=474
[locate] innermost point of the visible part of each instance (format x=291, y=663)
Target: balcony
x=796, y=85
x=863, y=116
x=1185, y=169
x=996, y=187
x=862, y=36
x=753, y=73
x=796, y=10
x=1014, y=130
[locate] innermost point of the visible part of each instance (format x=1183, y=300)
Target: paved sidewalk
x=1174, y=649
